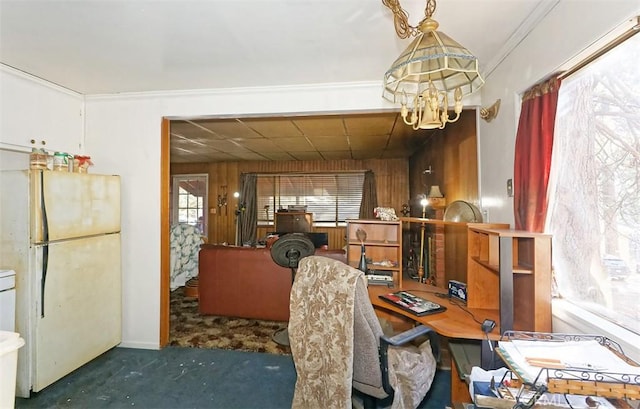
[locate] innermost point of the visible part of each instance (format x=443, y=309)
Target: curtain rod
x=627, y=34
x=341, y=172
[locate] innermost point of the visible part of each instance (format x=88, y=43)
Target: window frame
x=175, y=199
x=567, y=315
x=277, y=203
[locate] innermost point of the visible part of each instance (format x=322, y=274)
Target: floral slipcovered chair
x=336, y=338
x=185, y=243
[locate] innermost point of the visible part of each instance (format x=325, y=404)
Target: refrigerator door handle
x=45, y=247
x=43, y=280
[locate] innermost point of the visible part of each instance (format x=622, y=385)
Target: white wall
x=564, y=32
x=123, y=137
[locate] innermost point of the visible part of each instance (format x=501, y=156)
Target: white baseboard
x=138, y=345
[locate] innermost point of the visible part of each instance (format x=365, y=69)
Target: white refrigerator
x=60, y=233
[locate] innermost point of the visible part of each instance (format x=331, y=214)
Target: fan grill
x=461, y=211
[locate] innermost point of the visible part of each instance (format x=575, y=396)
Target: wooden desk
x=454, y=323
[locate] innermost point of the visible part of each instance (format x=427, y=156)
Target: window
x=332, y=198
x=594, y=206
x=189, y=197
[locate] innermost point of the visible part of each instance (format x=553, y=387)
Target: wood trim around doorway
x=164, y=232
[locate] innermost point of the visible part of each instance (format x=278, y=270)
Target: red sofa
x=245, y=282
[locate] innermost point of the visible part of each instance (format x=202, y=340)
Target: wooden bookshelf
x=383, y=243
x=510, y=271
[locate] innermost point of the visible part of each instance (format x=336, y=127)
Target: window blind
x=332, y=197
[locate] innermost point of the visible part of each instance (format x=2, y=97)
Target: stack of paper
x=576, y=359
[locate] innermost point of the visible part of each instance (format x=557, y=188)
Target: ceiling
x=110, y=47
x=327, y=137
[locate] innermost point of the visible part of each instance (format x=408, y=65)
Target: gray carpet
x=173, y=378
x=177, y=377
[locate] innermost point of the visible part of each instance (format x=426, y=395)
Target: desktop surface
x=457, y=321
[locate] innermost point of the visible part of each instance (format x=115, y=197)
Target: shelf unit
x=383, y=242
x=510, y=271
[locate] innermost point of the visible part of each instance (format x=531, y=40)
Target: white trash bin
x=10, y=342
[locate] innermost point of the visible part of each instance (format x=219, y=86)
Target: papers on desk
x=573, y=359
x=488, y=393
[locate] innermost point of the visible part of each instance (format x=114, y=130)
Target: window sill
x=568, y=318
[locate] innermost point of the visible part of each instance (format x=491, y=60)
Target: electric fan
x=287, y=251
x=461, y=211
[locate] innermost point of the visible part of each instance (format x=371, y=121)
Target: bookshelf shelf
x=383, y=243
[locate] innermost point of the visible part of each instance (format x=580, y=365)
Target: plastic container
x=81, y=163
x=60, y=162
x=38, y=159
x=10, y=342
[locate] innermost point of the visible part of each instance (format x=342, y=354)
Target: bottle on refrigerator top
x=60, y=162
x=81, y=163
x=38, y=159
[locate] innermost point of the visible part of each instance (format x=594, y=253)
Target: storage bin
x=10, y=342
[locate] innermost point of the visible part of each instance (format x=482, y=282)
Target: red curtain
x=532, y=163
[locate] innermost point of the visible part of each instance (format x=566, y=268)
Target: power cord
x=463, y=308
x=488, y=326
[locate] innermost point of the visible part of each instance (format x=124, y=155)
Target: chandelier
x=433, y=72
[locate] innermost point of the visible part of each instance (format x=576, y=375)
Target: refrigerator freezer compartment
x=68, y=205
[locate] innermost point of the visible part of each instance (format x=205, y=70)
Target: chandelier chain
x=401, y=18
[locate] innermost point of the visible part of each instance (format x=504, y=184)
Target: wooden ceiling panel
x=183, y=129
x=323, y=143
x=310, y=155
x=273, y=127
x=229, y=128
x=369, y=142
x=362, y=125
x=224, y=146
x=277, y=156
x=243, y=156
x=261, y=145
x=321, y=126
x=298, y=144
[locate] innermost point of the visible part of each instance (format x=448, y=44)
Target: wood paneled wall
x=392, y=184
x=452, y=155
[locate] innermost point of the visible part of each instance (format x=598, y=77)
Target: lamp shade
x=432, y=57
x=435, y=191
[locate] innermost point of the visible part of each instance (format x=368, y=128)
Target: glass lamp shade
x=432, y=57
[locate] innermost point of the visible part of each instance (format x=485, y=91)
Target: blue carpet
x=177, y=377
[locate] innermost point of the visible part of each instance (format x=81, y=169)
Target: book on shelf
x=412, y=303
x=379, y=277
